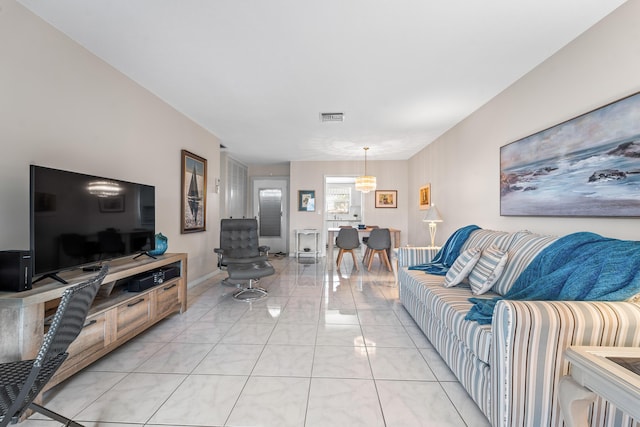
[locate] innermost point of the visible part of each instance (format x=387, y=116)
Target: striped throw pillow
x=487, y=270
x=462, y=266
x=524, y=248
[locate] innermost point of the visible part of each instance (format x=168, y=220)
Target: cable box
x=150, y=279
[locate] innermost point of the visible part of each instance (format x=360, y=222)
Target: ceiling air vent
x=332, y=117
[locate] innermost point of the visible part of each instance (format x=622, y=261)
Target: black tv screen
x=80, y=220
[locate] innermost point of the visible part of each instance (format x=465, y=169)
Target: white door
x=270, y=204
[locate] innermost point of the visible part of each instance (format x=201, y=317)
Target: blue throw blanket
x=447, y=255
x=576, y=267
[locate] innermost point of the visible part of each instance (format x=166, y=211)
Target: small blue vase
x=161, y=245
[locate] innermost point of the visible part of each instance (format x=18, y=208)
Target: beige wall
x=390, y=175
x=600, y=66
x=281, y=169
x=62, y=107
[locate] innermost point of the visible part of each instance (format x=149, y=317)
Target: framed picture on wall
x=306, y=200
x=386, y=198
x=193, y=203
x=585, y=166
x=424, y=197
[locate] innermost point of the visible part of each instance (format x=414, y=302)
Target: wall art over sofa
x=586, y=166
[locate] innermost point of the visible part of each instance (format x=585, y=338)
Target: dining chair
x=379, y=243
x=365, y=239
x=347, y=241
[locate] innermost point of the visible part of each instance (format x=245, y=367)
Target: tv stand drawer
x=167, y=298
x=133, y=314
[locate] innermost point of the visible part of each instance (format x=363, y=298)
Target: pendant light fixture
x=365, y=183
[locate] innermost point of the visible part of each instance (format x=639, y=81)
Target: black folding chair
x=22, y=381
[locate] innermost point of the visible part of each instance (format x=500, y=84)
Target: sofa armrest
x=529, y=339
x=413, y=255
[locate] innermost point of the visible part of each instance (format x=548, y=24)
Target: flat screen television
x=79, y=220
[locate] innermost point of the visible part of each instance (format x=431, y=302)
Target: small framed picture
x=306, y=200
x=424, y=197
x=386, y=198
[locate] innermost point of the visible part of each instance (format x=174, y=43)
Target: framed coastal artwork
x=424, y=197
x=386, y=198
x=193, y=200
x=586, y=166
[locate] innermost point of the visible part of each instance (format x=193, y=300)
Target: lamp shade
x=365, y=183
x=432, y=215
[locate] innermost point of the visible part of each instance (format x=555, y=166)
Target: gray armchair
x=243, y=257
x=239, y=242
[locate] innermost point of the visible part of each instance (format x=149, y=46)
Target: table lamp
x=432, y=217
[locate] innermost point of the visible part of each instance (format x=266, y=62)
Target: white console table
x=315, y=250
x=592, y=373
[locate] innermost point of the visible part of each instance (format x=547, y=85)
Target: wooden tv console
x=115, y=317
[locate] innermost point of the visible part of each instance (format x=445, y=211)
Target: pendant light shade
x=365, y=183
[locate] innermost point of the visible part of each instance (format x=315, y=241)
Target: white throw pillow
x=462, y=266
x=487, y=270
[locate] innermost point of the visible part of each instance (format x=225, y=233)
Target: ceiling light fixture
x=365, y=183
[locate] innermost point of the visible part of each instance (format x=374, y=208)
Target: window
x=338, y=200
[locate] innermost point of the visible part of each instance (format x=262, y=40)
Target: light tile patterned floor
x=326, y=348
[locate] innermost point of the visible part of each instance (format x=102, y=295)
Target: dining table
x=333, y=232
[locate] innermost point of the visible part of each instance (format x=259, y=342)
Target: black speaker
x=15, y=271
x=149, y=279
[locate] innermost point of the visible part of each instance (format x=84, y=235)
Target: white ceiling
x=257, y=73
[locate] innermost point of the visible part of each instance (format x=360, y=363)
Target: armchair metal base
x=252, y=293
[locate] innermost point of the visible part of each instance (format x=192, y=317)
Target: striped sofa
x=511, y=367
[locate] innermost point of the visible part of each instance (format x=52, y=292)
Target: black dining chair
x=22, y=381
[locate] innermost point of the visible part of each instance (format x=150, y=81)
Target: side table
x=315, y=250
x=593, y=372
x=412, y=255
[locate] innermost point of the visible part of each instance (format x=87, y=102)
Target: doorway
x=270, y=202
x=343, y=203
